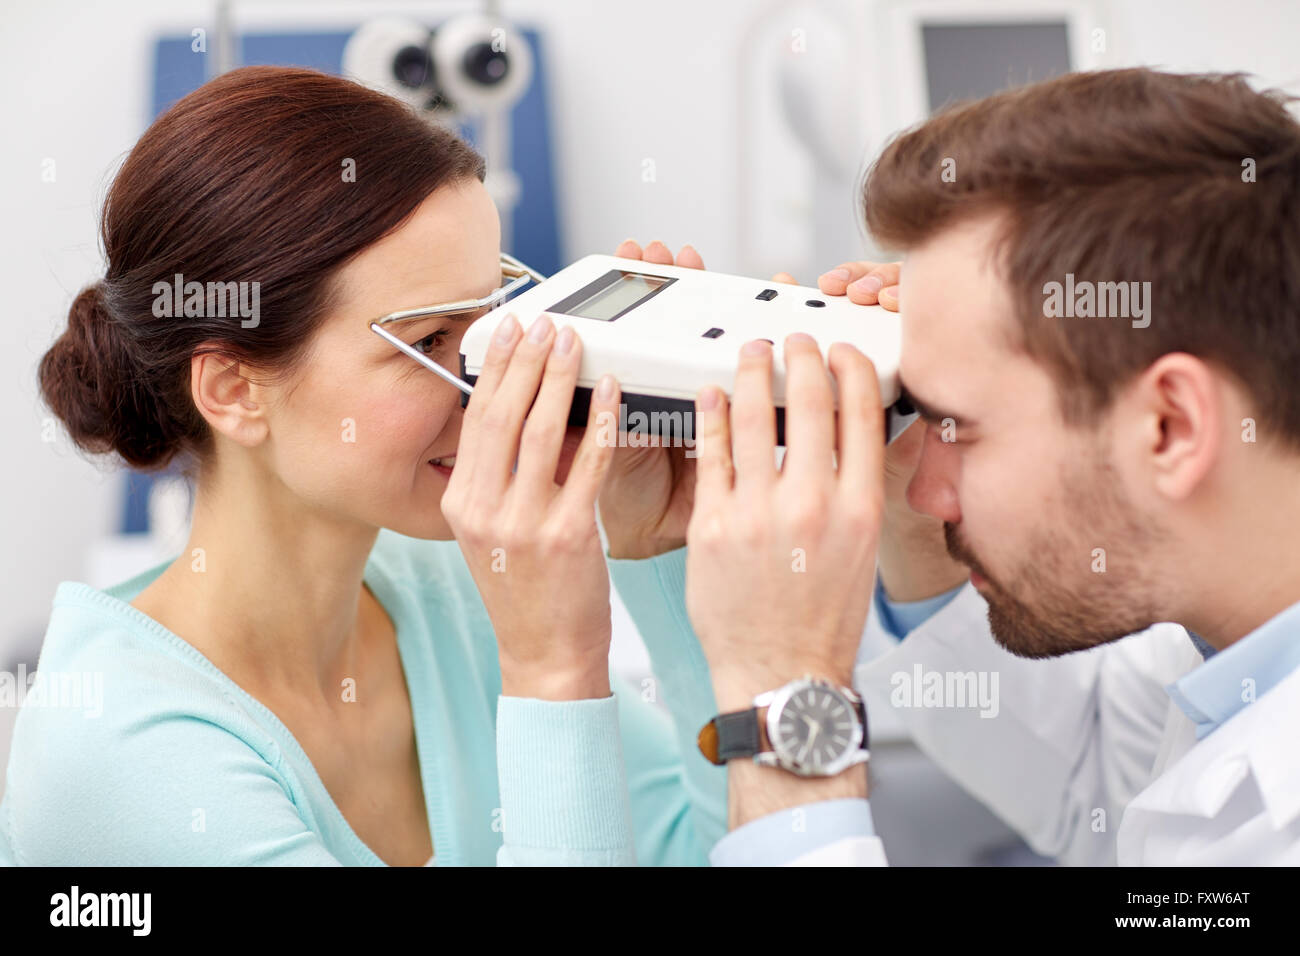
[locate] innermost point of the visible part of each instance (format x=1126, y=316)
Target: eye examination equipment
x=472, y=66
x=664, y=332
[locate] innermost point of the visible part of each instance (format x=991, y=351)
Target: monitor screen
x=968, y=61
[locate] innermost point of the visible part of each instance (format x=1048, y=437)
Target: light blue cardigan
x=183, y=767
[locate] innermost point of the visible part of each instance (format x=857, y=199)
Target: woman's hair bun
x=223, y=233
x=93, y=383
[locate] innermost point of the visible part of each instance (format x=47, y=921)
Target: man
x=1101, y=298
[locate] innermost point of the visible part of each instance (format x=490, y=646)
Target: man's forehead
x=957, y=314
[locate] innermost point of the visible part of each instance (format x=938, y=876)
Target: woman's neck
x=269, y=587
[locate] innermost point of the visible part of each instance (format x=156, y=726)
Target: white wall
x=629, y=81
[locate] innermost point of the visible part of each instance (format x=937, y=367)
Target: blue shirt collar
x=1240, y=673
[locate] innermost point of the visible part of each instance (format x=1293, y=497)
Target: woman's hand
x=648, y=495
x=532, y=544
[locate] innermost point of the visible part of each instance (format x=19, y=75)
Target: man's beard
x=1053, y=602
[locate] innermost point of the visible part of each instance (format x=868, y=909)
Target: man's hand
x=865, y=283
x=914, y=562
x=779, y=571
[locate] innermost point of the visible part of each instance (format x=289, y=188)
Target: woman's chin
x=426, y=531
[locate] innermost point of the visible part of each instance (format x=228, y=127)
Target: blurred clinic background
x=739, y=126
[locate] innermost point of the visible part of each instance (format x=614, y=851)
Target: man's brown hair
x=1189, y=182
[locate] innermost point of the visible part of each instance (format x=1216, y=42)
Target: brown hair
x=1124, y=175
x=240, y=181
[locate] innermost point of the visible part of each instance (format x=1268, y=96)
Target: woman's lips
x=443, y=465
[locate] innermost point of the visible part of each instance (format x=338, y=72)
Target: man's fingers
x=753, y=416
x=836, y=281
x=786, y=278
x=809, y=411
x=861, y=418
x=628, y=249
x=714, y=472
x=860, y=281
x=889, y=297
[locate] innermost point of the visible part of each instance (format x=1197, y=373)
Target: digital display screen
x=612, y=295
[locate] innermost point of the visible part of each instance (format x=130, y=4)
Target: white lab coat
x=1088, y=758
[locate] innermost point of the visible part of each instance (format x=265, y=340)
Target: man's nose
x=933, y=490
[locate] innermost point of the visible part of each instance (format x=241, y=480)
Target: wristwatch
x=814, y=729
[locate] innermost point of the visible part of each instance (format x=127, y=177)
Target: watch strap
x=738, y=734
x=728, y=736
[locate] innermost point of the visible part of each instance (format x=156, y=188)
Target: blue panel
x=135, y=512
x=179, y=71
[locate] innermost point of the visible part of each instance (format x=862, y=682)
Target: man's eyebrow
x=928, y=412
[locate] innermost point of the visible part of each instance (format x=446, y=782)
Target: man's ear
x=228, y=400
x=1180, y=397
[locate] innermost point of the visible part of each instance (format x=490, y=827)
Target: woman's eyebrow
x=466, y=316
x=449, y=316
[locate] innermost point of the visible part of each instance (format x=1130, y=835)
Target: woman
x=313, y=679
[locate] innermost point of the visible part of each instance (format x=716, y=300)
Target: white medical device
x=664, y=332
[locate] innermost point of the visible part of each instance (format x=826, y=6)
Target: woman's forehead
x=446, y=251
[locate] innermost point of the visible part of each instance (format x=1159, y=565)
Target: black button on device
x=767, y=295
x=712, y=333
x=816, y=303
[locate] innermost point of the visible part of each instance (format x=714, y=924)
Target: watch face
x=815, y=728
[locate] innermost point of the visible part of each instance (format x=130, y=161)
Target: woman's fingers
x=861, y=281
x=753, y=417
x=502, y=421
x=502, y=346
x=688, y=258
x=591, y=462
x=544, y=429
x=504, y=339
x=658, y=253
x=809, y=411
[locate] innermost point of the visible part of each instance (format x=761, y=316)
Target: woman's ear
x=230, y=401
